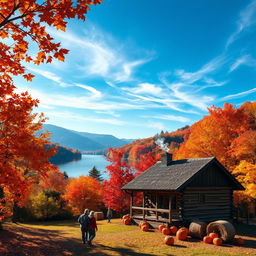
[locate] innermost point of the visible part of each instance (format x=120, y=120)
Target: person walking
x=92, y=228
x=109, y=214
x=84, y=225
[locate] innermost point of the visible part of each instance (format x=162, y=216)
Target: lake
x=83, y=166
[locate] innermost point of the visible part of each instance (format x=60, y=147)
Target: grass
x=63, y=238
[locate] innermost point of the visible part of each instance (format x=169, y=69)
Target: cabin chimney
x=166, y=159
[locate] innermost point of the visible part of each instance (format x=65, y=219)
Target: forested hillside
x=228, y=133
x=64, y=155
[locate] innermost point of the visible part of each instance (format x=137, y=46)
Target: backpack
x=84, y=220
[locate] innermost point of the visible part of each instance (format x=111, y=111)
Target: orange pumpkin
x=239, y=241
x=127, y=221
x=142, y=222
x=181, y=234
x=126, y=217
x=213, y=235
x=166, y=231
x=185, y=229
x=217, y=241
x=207, y=240
x=145, y=224
x=169, y=240
x=144, y=228
x=160, y=227
x=174, y=230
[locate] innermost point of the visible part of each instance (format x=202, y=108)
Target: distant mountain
x=108, y=141
x=83, y=141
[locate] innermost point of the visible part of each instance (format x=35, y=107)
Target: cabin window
x=201, y=198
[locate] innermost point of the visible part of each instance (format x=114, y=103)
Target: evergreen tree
x=94, y=173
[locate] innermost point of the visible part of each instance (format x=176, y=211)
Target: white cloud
x=157, y=125
x=95, y=93
x=192, y=77
x=49, y=75
x=99, y=56
x=172, y=118
x=244, y=60
x=146, y=88
x=73, y=116
x=247, y=18
x=238, y=95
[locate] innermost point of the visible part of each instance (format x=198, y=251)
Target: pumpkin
x=169, y=240
x=166, y=231
x=213, y=235
x=239, y=241
x=181, y=234
x=207, y=240
x=145, y=224
x=142, y=222
x=217, y=241
x=127, y=221
x=125, y=217
x=174, y=230
x=144, y=228
x=185, y=229
x=160, y=227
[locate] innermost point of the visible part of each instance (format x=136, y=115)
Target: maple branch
x=6, y=19
x=24, y=31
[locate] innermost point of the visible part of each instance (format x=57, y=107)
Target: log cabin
x=181, y=191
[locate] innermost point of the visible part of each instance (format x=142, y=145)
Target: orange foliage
x=228, y=134
x=22, y=20
x=214, y=134
x=83, y=192
x=246, y=174
x=23, y=157
x=55, y=181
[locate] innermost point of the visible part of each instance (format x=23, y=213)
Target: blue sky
x=138, y=67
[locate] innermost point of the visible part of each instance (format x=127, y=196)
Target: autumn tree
x=54, y=181
x=94, y=173
x=83, y=192
x=146, y=161
x=246, y=174
x=120, y=173
x=23, y=157
x=214, y=134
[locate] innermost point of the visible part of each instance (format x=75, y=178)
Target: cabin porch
x=156, y=207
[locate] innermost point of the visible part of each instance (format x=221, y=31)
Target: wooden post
x=156, y=206
x=143, y=205
x=170, y=209
x=131, y=203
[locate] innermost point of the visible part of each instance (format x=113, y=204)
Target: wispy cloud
x=246, y=19
x=49, y=75
x=238, y=95
x=100, y=56
x=94, y=93
x=145, y=88
x=157, y=125
x=243, y=60
x=170, y=118
x=72, y=116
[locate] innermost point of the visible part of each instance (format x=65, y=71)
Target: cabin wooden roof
x=177, y=175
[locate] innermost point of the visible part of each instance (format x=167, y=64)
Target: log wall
x=207, y=204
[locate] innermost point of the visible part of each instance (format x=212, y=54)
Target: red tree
x=120, y=173
x=146, y=161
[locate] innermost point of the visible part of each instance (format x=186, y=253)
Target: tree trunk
x=1, y=197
